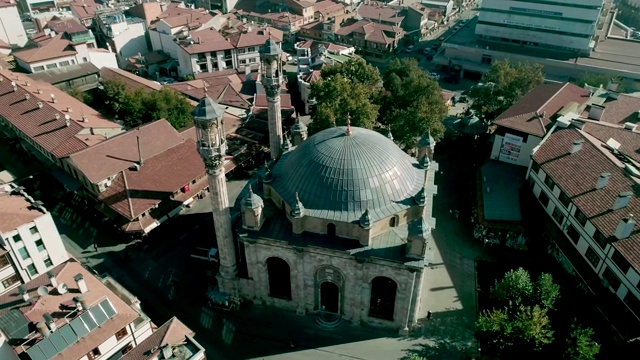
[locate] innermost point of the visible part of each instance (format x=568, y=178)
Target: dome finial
x=250, y=189
x=297, y=210
x=348, y=132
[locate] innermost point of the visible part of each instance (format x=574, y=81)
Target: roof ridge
x=126, y=188
x=171, y=322
x=551, y=97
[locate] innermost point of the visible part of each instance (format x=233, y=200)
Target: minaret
x=212, y=146
x=271, y=78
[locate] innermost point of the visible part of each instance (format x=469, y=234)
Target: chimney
x=82, y=285
x=52, y=279
x=15, y=86
x=48, y=319
x=57, y=116
x=39, y=91
x=622, y=200
x=625, y=227
x=199, y=42
x=53, y=98
x=69, y=109
x=603, y=180
x=81, y=302
x=26, y=83
x=596, y=112
x=43, y=329
x=85, y=119
x=27, y=96
x=577, y=145
x=23, y=292
x=67, y=120
x=167, y=352
x=140, y=161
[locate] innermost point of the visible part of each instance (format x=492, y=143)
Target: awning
x=66, y=180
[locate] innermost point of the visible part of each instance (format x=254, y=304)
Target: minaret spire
x=212, y=145
x=348, y=132
x=271, y=78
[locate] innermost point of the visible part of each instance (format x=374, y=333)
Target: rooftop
x=501, y=184
x=618, y=108
x=373, y=31
x=53, y=48
x=15, y=210
x=253, y=36
x=8, y=3
x=177, y=17
x=84, y=9
x=222, y=91
x=532, y=114
x=77, y=332
x=64, y=74
x=131, y=80
x=173, y=333
x=69, y=26
x=380, y=11
x=40, y=110
x=205, y=40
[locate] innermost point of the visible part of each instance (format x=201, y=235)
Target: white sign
x=511, y=146
x=531, y=26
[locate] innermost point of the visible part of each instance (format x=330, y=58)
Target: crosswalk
x=206, y=318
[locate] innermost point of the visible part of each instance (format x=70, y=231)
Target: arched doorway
x=330, y=297
x=383, y=298
x=331, y=230
x=279, y=278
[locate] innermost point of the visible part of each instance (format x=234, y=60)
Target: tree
x=170, y=105
x=339, y=97
x=83, y=96
x=355, y=70
x=504, y=84
x=412, y=103
x=580, y=346
x=597, y=80
x=113, y=93
x=516, y=288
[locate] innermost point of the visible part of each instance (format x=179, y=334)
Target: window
x=73, y=62
x=544, y=199
x=33, y=230
x=93, y=354
x=31, y=269
x=4, y=261
x=11, y=280
x=40, y=245
x=52, y=66
x=393, y=222
x=549, y=182
x=581, y=217
x=487, y=59
x=121, y=334
x=64, y=63
x=84, y=60
x=610, y=279
x=535, y=168
x=600, y=239
x=24, y=254
x=592, y=256
x=241, y=51
x=252, y=49
x=558, y=216
x=252, y=60
x=38, y=68
x=242, y=62
x=564, y=199
x=127, y=348
x=383, y=298
x=573, y=234
x=47, y=262
x=17, y=238
x=620, y=261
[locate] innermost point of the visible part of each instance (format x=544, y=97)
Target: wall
x=132, y=41
x=103, y=59
x=356, y=285
x=526, y=149
x=59, y=62
x=162, y=38
x=540, y=37
x=11, y=29
x=7, y=272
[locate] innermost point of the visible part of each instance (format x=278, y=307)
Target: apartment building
x=177, y=22
x=558, y=25
x=208, y=50
x=55, y=51
x=73, y=31
x=11, y=30
x=30, y=244
x=122, y=33
x=369, y=38
x=68, y=313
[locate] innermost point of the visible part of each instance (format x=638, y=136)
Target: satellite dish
x=43, y=290
x=62, y=288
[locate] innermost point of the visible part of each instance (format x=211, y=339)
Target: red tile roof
x=629, y=140
x=69, y=26
x=84, y=9
x=131, y=80
x=4, y=45
x=532, y=114
x=47, y=125
x=224, y=94
x=8, y=3
x=373, y=31
x=51, y=304
x=576, y=175
x=206, y=40
x=312, y=77
x=619, y=111
x=171, y=333
x=377, y=11
x=15, y=211
x=255, y=36
x=179, y=16
x=55, y=48
x=120, y=152
x=134, y=192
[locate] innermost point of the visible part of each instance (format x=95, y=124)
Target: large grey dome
x=339, y=176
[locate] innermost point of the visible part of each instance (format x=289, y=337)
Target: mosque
x=339, y=224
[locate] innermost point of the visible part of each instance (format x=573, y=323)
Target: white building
x=54, y=51
x=445, y=5
x=568, y=25
x=30, y=244
x=177, y=22
x=124, y=34
x=11, y=29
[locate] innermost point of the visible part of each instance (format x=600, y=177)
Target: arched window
x=279, y=278
x=383, y=298
x=331, y=230
x=393, y=222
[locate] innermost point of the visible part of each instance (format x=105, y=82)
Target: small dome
x=427, y=141
x=208, y=109
x=252, y=200
x=339, y=176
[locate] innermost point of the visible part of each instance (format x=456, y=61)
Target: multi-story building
x=445, y=6
x=381, y=13
x=569, y=26
x=73, y=31
x=55, y=51
x=169, y=340
x=122, y=33
x=210, y=51
x=30, y=244
x=11, y=30
x=49, y=123
x=369, y=38
x=68, y=313
x=422, y=18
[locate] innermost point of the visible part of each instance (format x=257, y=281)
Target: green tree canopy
x=137, y=107
x=355, y=70
x=504, y=84
x=580, y=345
x=597, y=80
x=412, y=103
x=517, y=288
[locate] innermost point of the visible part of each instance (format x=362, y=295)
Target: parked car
x=409, y=49
x=434, y=76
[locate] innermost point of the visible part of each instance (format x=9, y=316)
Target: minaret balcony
x=206, y=152
x=271, y=81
